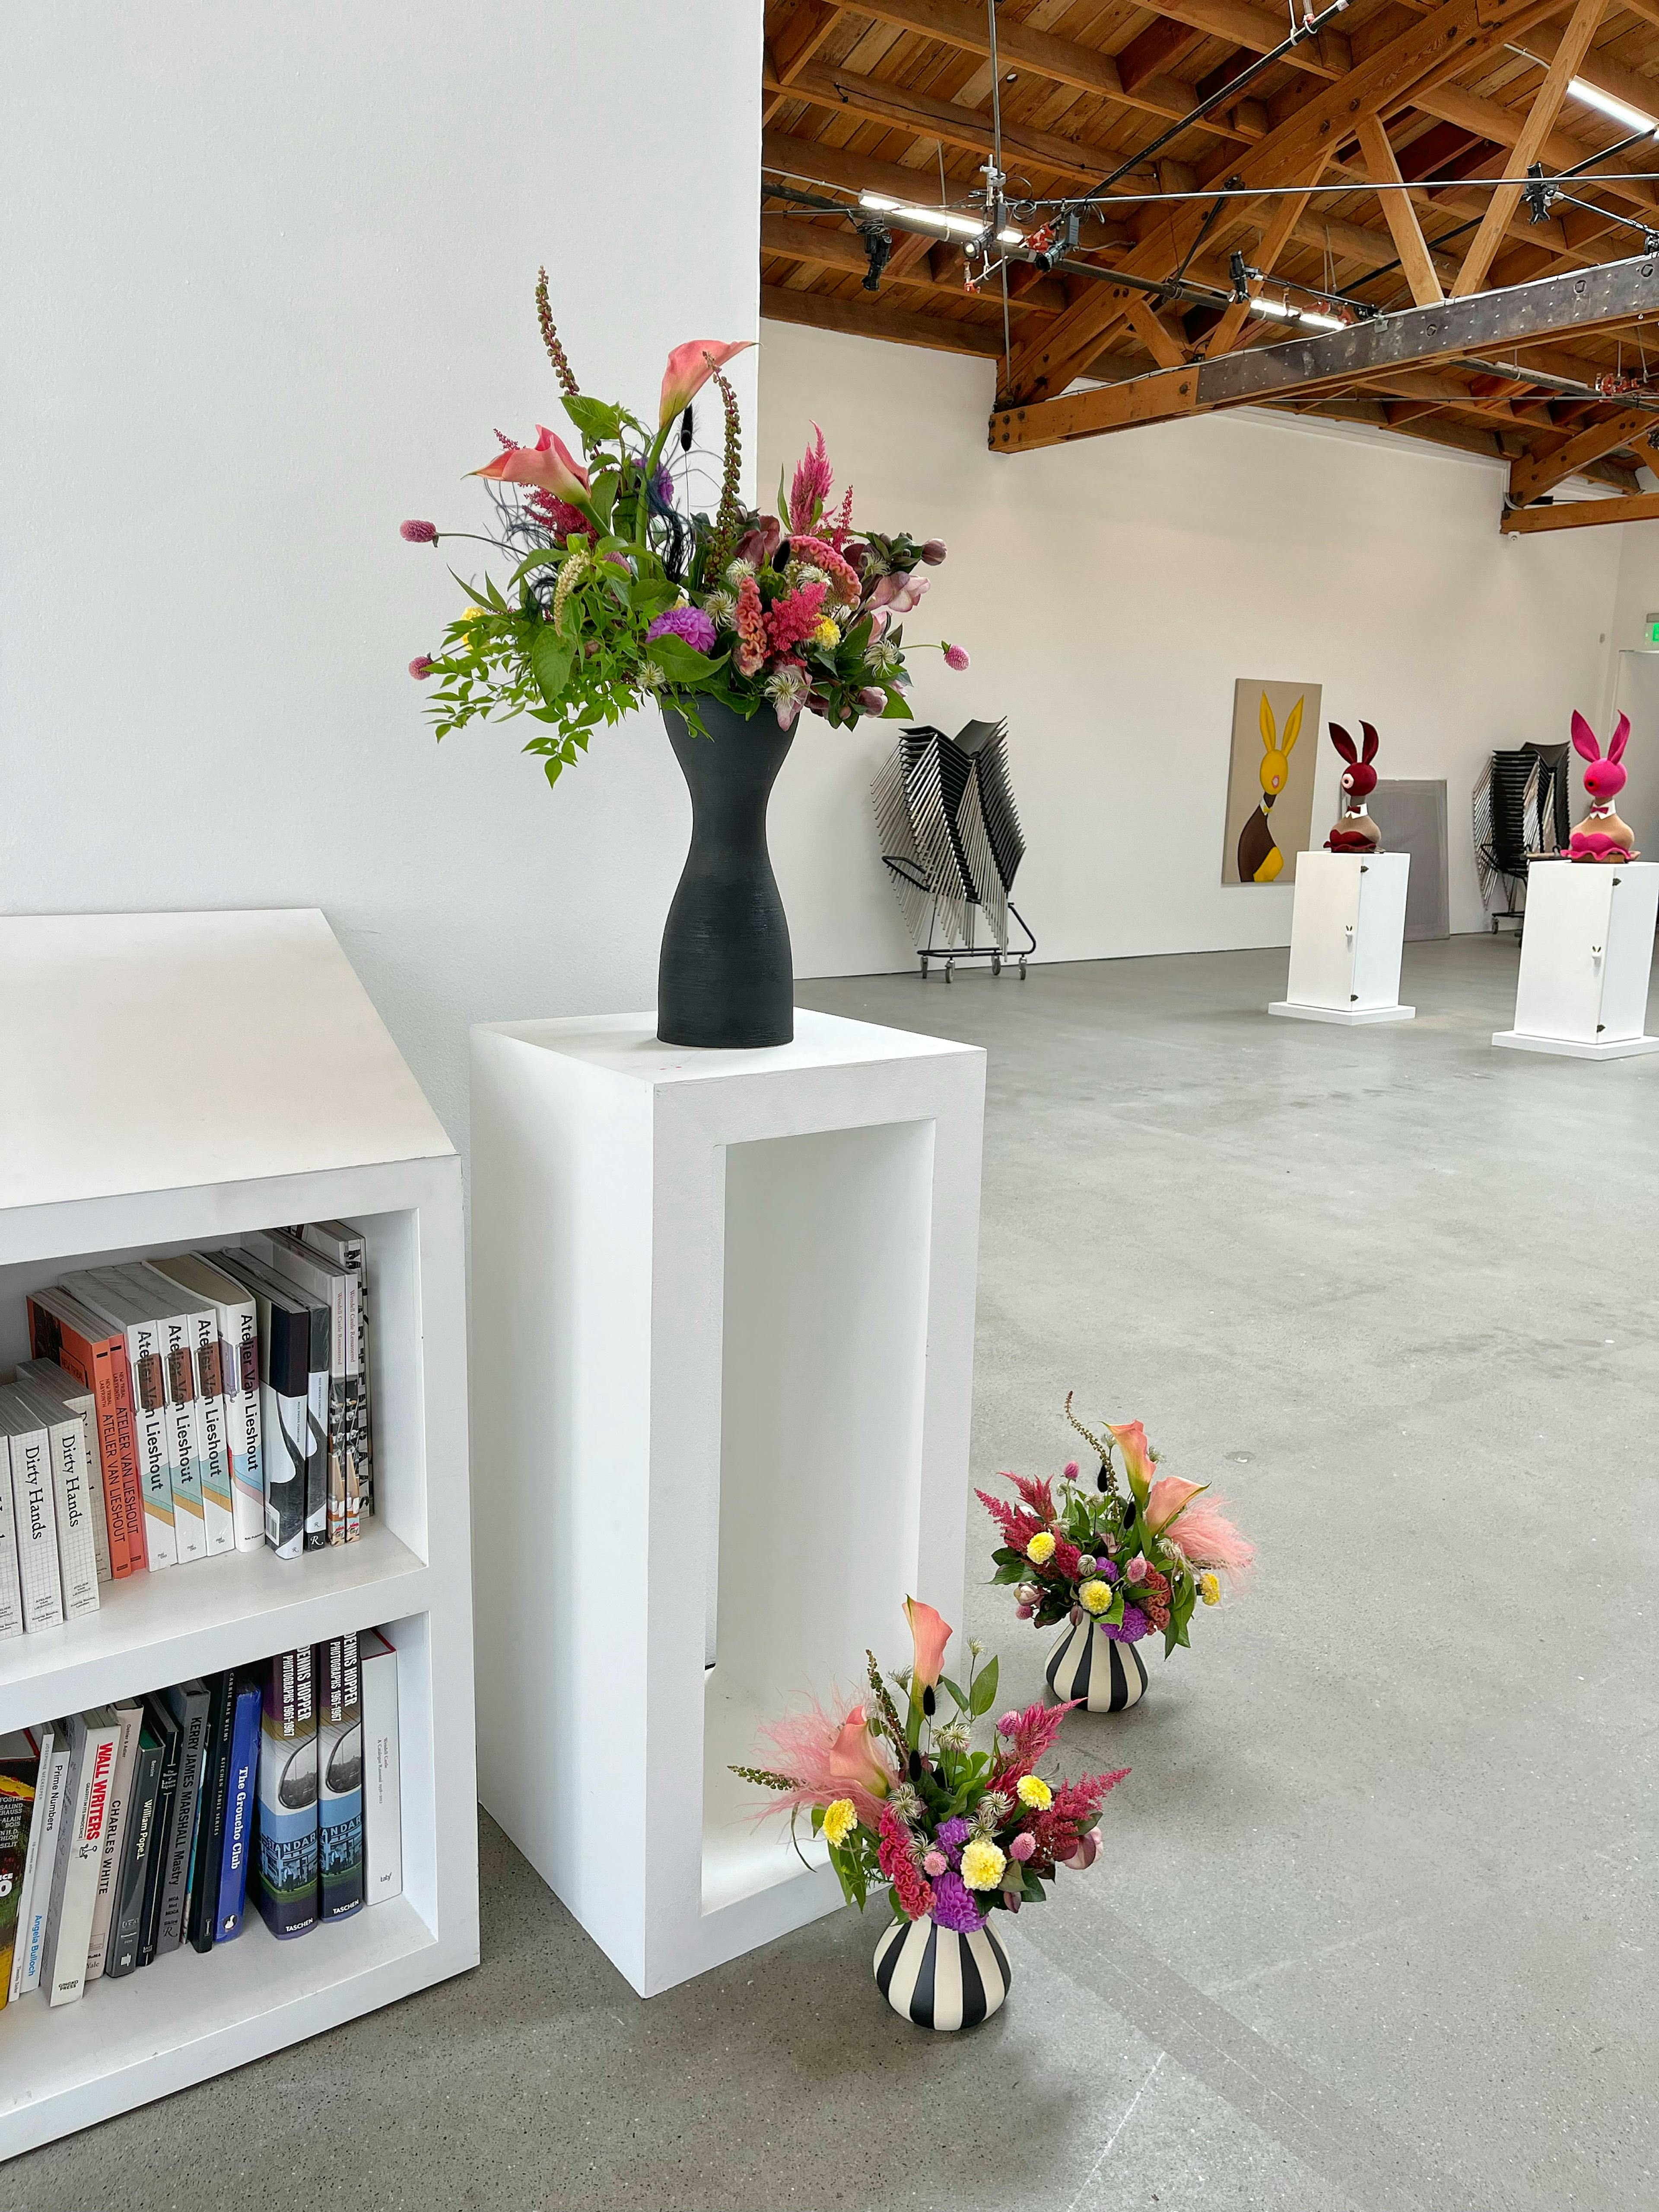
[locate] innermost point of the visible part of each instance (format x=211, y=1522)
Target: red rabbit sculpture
x=1355, y=832
x=1601, y=835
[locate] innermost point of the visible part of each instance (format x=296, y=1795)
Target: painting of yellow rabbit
x=1270, y=780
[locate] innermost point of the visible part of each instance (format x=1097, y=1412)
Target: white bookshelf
x=173, y=1080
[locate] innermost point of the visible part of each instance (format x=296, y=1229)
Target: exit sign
x=1653, y=629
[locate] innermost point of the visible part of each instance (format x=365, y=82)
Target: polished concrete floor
x=1376, y=1925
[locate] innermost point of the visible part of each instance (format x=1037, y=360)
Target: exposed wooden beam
x=1164, y=346
x=793, y=44
x=1605, y=298
x=1155, y=51
x=1583, y=513
x=1537, y=474
x=1541, y=119
x=937, y=331
x=1416, y=262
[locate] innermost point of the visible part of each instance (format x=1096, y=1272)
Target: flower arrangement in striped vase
x=1116, y=1564
x=902, y=1798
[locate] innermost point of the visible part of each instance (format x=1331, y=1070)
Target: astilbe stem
x=556, y=352
x=728, y=514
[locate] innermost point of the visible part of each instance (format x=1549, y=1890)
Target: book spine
x=118, y=1430
x=239, y=1813
x=43, y=1855
x=133, y=1883
x=74, y=1496
x=81, y=1851
x=99, y=1487
x=339, y=1416
x=287, y=1798
x=317, y=1387
x=190, y=1702
x=239, y=1357
x=19, y=1794
x=130, y=1718
x=383, y=1819
x=148, y=1370
x=11, y=1588
x=352, y=1420
x=208, y=1856
x=355, y=1257
x=339, y=1780
x=36, y=1529
x=183, y=1439
x=214, y=1425
x=285, y=1437
x=171, y=1737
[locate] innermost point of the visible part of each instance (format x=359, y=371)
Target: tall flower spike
x=728, y=515
x=550, y=338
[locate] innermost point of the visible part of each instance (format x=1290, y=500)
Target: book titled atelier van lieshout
x=285, y=1426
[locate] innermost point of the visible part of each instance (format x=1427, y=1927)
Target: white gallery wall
x=268, y=277
x=1111, y=592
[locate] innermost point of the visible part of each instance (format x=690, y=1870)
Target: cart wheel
x=1022, y=967
x=996, y=963
x=923, y=957
x=950, y=967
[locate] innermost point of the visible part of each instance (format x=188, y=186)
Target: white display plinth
x=1586, y=949
x=1347, y=930
x=723, y=1315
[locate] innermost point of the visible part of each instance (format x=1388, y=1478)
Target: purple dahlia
x=688, y=623
x=953, y=1906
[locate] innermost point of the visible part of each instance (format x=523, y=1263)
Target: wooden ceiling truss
x=1380, y=171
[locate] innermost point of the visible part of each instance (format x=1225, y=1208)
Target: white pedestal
x=1585, y=953
x=1346, y=929
x=723, y=1313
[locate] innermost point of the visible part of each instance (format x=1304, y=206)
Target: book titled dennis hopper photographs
x=340, y=1777
x=287, y=1797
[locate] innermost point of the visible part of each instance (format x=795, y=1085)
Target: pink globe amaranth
x=1024, y=1612
x=1136, y=1570
x=1008, y=1724
x=956, y=656
x=935, y=1864
x=419, y=533
x=421, y=667
x=1022, y=1847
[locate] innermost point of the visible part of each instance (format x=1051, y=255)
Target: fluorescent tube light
x=962, y=225
x=1010, y=237
x=1620, y=111
x=1283, y=310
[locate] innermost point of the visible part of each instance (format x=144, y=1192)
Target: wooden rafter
x=1531, y=479
x=798, y=38
x=1415, y=259
x=779, y=304
x=1583, y=513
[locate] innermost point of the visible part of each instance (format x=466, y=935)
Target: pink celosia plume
x=792, y=619
x=810, y=487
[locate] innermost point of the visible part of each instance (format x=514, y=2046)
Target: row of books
x=145, y=1826
x=181, y=1407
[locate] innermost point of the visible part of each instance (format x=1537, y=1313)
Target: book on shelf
x=77, y=1496
x=11, y=1587
x=165, y=1541
x=19, y=1769
x=189, y=1704
x=207, y=1858
x=137, y=1841
x=93, y=1737
x=170, y=1736
x=239, y=1792
x=383, y=1819
x=284, y=1321
x=34, y=1511
x=287, y=1797
x=155, y=1303
x=56, y=1388
x=288, y=1257
x=191, y=1334
x=236, y=1372
x=339, y=1779
x=129, y=1714
x=27, y=1960
x=66, y=1333
x=319, y=1358
x=347, y=1249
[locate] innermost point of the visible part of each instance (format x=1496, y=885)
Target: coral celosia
x=1153, y=1598
x=843, y=579
x=790, y=621
x=750, y=655
x=895, y=1855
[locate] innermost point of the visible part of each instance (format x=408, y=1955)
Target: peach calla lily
x=852, y=1758
x=1169, y=1497
x=1136, y=1455
x=549, y=464
x=930, y=1635
x=690, y=367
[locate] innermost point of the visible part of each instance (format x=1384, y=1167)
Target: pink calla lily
x=1131, y=1437
x=1169, y=1497
x=549, y=464
x=930, y=1635
x=852, y=1758
x=690, y=367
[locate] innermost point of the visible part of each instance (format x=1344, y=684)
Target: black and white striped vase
x=1109, y=1675
x=940, y=1978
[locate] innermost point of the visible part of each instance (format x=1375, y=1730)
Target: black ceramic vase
x=726, y=976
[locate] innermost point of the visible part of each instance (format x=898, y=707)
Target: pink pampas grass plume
x=1205, y=1537
x=830, y=1754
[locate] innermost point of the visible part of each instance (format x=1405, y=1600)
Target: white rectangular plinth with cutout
x=1347, y=929
x=176, y=1079
x=722, y=1328
x=1586, y=951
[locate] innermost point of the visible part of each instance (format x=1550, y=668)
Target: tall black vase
x=726, y=976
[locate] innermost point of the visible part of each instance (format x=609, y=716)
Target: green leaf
x=897, y=709
x=550, y=657
x=945, y=1683
x=682, y=663
x=594, y=418
x=985, y=1688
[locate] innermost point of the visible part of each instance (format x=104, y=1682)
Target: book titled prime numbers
x=287, y=1797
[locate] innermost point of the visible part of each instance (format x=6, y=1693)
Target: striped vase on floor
x=938, y=1979
x=1109, y=1675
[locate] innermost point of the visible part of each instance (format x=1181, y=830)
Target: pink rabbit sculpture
x=1355, y=831
x=1601, y=835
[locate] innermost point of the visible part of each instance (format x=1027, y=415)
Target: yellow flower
x=839, y=1821
x=828, y=632
x=470, y=614
x=1041, y=1549
x=1096, y=1596
x=1031, y=1790
x=1209, y=1588
x=983, y=1864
